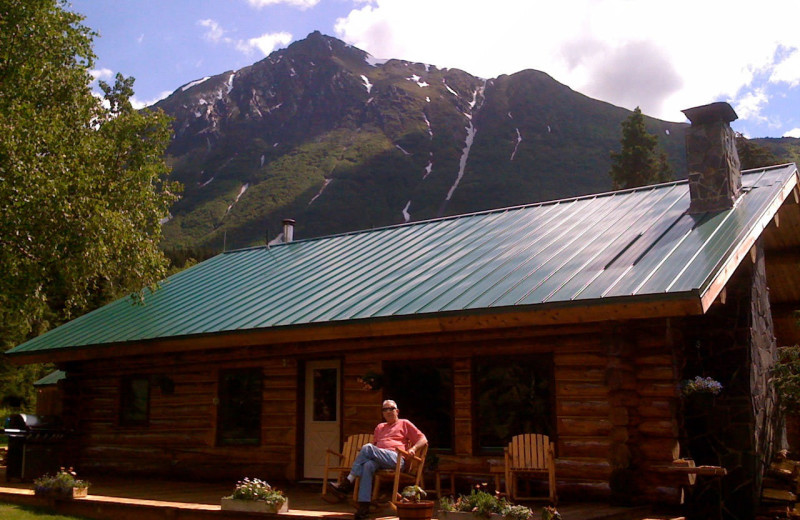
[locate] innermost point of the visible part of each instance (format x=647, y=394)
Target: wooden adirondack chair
x=410, y=475
x=349, y=452
x=530, y=455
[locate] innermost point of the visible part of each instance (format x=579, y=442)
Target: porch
x=117, y=498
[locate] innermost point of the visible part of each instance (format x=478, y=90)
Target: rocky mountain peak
x=321, y=133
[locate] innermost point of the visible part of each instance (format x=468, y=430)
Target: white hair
x=389, y=402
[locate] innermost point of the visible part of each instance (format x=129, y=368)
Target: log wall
x=614, y=403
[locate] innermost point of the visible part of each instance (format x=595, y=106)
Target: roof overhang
x=616, y=309
x=745, y=246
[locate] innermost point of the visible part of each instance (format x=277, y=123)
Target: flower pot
x=422, y=510
x=252, y=506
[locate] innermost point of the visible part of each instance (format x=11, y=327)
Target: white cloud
x=788, y=69
x=751, y=105
x=300, y=4
x=663, y=57
x=794, y=132
x=137, y=104
x=215, y=33
x=265, y=43
x=101, y=73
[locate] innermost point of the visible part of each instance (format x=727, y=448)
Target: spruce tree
x=641, y=161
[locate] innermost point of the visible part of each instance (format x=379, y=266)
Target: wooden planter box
x=62, y=494
x=252, y=506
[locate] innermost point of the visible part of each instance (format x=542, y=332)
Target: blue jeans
x=370, y=459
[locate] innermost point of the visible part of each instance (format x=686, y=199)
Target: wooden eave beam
x=684, y=304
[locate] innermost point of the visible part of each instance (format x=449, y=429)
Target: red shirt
x=400, y=434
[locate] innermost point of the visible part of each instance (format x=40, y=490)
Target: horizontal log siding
x=181, y=436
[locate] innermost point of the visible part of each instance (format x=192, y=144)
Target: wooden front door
x=322, y=414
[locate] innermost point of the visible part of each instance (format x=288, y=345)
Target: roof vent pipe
x=715, y=175
x=288, y=230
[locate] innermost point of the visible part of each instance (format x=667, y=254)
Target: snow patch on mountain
x=194, y=83
x=428, y=169
x=229, y=83
x=367, y=83
x=406, y=214
x=519, y=140
x=401, y=149
x=324, y=185
x=449, y=89
x=430, y=130
x=207, y=182
x=418, y=80
x=239, y=196
x=373, y=61
x=462, y=163
x=471, y=131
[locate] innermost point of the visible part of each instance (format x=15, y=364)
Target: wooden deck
x=114, y=498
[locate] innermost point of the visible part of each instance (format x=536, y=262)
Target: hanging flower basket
x=371, y=381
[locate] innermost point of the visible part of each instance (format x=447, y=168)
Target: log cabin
x=576, y=318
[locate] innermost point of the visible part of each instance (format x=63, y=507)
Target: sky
x=661, y=56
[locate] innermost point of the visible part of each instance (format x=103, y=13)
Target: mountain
x=323, y=133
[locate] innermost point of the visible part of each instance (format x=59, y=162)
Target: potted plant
x=410, y=505
x=255, y=496
x=63, y=485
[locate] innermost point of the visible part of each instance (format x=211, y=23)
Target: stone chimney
x=288, y=229
x=715, y=176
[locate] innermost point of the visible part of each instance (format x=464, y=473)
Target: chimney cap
x=711, y=113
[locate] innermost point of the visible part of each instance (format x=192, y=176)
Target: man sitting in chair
x=389, y=435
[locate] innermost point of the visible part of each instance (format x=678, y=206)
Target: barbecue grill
x=34, y=445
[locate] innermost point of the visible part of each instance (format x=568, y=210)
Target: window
x=513, y=395
x=134, y=401
x=423, y=391
x=239, y=409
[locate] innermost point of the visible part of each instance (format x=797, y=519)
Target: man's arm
x=423, y=441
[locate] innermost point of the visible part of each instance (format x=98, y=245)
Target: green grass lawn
x=14, y=512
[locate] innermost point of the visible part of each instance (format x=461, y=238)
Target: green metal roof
x=633, y=243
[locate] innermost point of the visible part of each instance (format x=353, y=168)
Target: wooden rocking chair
x=349, y=452
x=410, y=475
x=530, y=455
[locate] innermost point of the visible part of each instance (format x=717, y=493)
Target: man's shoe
x=341, y=490
x=363, y=511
